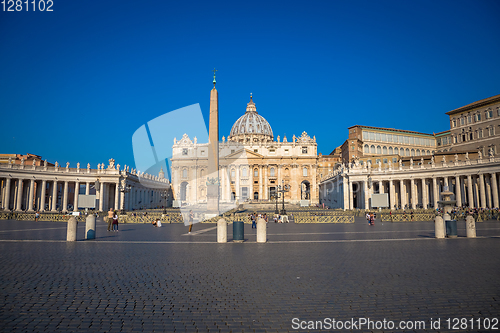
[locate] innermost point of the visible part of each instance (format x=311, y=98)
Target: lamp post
x=282, y=189
x=166, y=195
x=275, y=196
x=123, y=189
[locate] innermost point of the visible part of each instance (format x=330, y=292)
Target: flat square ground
x=149, y=279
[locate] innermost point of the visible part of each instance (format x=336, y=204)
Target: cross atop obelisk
x=213, y=154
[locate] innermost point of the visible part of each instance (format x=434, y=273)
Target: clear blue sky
x=77, y=82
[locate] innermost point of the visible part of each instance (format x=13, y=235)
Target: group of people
x=112, y=220
x=370, y=217
x=254, y=216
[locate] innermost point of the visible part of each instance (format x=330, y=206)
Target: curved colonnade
x=475, y=184
x=53, y=188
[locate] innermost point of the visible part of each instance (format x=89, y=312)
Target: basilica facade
x=252, y=164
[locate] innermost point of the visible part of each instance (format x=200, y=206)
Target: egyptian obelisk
x=213, y=154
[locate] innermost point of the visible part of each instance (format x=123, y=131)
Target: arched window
x=384, y=150
x=184, y=173
x=418, y=152
x=428, y=152
x=407, y=152
x=379, y=150
x=304, y=172
x=372, y=149
x=391, y=151
x=272, y=172
x=245, y=172
x=367, y=149
x=396, y=151
x=233, y=174
x=202, y=173
x=256, y=173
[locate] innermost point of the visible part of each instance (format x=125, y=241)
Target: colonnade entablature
x=475, y=184
x=55, y=188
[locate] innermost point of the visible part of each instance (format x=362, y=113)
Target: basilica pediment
x=243, y=153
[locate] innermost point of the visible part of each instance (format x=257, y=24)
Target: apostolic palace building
x=375, y=167
x=413, y=168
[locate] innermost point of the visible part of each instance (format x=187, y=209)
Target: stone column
x=402, y=193
x=261, y=194
x=435, y=195
x=87, y=188
x=31, y=195
x=194, y=196
x=391, y=194
x=65, y=197
x=266, y=193
x=366, y=195
x=101, y=197
x=117, y=197
x=470, y=194
x=122, y=201
x=7, y=195
x=350, y=185
x=488, y=191
x=347, y=193
x=494, y=186
x=413, y=193
x=250, y=180
x=380, y=187
x=314, y=186
x=482, y=191
x=237, y=183
x=458, y=192
x=19, y=195
x=42, y=196
x=425, y=193
x=75, y=199
x=54, y=196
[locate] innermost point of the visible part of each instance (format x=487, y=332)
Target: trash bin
x=451, y=228
x=238, y=233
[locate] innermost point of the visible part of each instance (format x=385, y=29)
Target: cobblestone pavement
x=150, y=279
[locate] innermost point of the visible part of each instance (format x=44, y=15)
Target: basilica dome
x=251, y=127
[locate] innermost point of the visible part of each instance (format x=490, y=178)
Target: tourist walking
x=254, y=225
x=110, y=218
x=372, y=219
x=115, y=221
x=191, y=217
x=37, y=216
x=368, y=218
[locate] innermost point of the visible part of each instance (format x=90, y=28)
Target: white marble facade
x=251, y=164
x=474, y=182
x=56, y=188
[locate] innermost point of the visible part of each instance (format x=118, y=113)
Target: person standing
x=254, y=225
x=372, y=219
x=110, y=218
x=37, y=216
x=191, y=217
x=115, y=221
x=368, y=218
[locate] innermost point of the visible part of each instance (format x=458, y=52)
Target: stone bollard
x=439, y=227
x=261, y=231
x=90, y=227
x=221, y=231
x=470, y=225
x=71, y=234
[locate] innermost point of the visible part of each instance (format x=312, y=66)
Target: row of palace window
x=395, y=151
x=272, y=172
x=468, y=119
x=470, y=135
x=402, y=139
